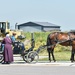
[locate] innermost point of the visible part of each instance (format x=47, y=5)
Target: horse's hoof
x=54, y=60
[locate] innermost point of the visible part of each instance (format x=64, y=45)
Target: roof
x=45, y=24
x=41, y=23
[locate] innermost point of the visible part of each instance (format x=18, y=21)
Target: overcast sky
x=59, y=12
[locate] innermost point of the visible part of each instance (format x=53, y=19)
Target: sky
x=59, y=12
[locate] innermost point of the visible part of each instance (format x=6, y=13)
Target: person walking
x=8, y=52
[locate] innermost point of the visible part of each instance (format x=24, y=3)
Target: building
x=38, y=27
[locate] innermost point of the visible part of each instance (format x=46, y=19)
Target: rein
x=60, y=42
x=45, y=46
x=56, y=43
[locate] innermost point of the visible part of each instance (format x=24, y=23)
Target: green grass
x=61, y=53
x=59, y=56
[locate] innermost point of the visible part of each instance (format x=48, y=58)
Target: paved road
x=25, y=69
x=19, y=67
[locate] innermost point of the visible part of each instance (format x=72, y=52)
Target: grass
x=59, y=56
x=63, y=56
x=61, y=53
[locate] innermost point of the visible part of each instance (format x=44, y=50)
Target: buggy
x=18, y=48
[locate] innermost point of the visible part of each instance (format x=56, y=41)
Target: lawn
x=61, y=53
x=59, y=56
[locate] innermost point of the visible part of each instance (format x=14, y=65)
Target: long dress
x=8, y=52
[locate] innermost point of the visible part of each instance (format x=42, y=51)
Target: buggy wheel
x=1, y=58
x=25, y=56
x=32, y=57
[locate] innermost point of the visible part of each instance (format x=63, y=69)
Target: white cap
x=7, y=35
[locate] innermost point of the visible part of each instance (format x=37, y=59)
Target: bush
x=41, y=38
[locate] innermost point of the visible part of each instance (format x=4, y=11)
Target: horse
x=62, y=38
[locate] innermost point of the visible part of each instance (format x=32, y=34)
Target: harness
x=70, y=40
x=57, y=41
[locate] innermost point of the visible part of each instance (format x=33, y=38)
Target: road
x=25, y=69
x=19, y=67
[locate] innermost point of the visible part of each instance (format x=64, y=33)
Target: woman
x=8, y=52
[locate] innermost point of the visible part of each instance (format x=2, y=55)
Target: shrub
x=41, y=38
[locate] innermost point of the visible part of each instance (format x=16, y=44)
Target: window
x=2, y=25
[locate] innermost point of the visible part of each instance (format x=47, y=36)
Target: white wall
x=31, y=28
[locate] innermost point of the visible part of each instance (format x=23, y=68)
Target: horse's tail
x=48, y=42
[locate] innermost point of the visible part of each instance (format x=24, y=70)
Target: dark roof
x=45, y=24
x=41, y=23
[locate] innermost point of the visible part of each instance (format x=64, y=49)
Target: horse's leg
x=72, y=55
x=52, y=52
x=49, y=55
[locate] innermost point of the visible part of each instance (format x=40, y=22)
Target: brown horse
x=64, y=39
